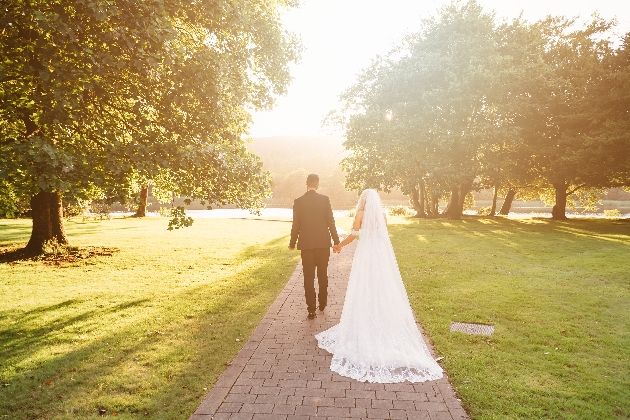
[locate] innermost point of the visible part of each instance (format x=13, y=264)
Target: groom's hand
x=291, y=247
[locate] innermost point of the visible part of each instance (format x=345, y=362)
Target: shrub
x=484, y=211
x=102, y=209
x=469, y=201
x=612, y=213
x=398, y=211
x=74, y=209
x=164, y=212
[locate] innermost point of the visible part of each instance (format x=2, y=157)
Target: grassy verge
x=142, y=333
x=558, y=294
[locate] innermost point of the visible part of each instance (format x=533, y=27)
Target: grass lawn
x=143, y=333
x=558, y=294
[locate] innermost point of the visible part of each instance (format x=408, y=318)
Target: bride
x=377, y=339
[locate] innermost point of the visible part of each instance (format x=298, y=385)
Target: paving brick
x=363, y=402
x=400, y=387
x=310, y=392
x=411, y=396
x=440, y=415
x=271, y=390
x=398, y=414
x=377, y=413
x=227, y=407
x=358, y=412
x=333, y=411
x=351, y=393
x=217, y=416
x=269, y=417
x=319, y=401
x=458, y=414
x=240, y=398
x=345, y=402
x=271, y=399
x=257, y=408
x=430, y=406
x=306, y=410
x=386, y=404
x=335, y=393
x=404, y=405
x=385, y=395
x=283, y=409
x=418, y=415
x=242, y=416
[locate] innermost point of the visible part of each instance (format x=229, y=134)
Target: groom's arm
x=295, y=228
x=330, y=220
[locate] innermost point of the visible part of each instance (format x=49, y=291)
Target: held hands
x=337, y=248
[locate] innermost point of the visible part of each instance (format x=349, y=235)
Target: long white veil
x=373, y=225
x=377, y=339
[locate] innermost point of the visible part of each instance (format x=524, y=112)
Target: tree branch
x=575, y=189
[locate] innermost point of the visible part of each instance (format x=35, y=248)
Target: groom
x=314, y=224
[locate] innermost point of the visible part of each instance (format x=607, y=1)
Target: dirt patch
x=59, y=258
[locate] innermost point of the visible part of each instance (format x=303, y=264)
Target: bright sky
x=340, y=37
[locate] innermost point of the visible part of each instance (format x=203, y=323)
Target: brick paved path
x=281, y=374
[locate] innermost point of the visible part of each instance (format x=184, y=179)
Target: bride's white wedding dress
x=377, y=339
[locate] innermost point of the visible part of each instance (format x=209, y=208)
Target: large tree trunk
x=452, y=209
x=507, y=204
x=464, y=189
x=141, y=211
x=422, y=193
x=47, y=211
x=417, y=200
x=457, y=206
x=560, y=208
x=429, y=200
x=493, y=210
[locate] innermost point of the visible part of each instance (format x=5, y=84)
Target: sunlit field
x=558, y=294
x=143, y=333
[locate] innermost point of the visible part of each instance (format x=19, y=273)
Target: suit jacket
x=313, y=222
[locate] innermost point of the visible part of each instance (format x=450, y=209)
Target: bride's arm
x=358, y=219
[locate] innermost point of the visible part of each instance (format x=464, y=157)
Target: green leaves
x=179, y=218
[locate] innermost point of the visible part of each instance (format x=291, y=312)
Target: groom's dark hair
x=312, y=180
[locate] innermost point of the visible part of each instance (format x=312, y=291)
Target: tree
x=98, y=95
x=419, y=118
x=577, y=134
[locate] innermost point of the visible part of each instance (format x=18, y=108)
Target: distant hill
x=318, y=155
x=291, y=159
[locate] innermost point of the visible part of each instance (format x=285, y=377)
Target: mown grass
x=558, y=294
x=143, y=333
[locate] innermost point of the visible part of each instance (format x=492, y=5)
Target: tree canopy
x=99, y=97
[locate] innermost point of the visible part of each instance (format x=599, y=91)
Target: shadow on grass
x=514, y=232
x=135, y=369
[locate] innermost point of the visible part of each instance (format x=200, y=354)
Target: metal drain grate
x=475, y=329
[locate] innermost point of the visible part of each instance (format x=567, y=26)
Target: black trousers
x=312, y=259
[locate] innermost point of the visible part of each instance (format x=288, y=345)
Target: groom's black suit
x=313, y=226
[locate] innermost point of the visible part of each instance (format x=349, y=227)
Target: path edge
x=213, y=399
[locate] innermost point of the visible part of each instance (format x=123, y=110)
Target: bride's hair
x=362, y=200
